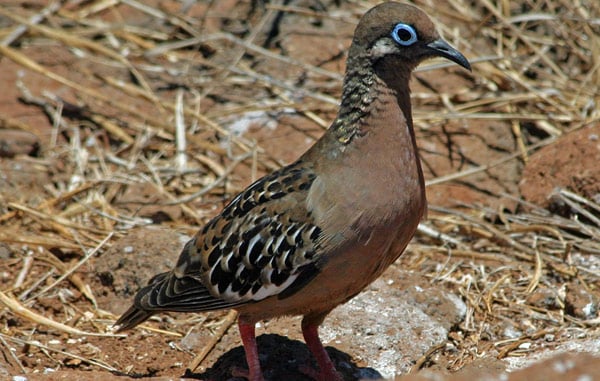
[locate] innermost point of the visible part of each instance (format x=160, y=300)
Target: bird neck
x=364, y=86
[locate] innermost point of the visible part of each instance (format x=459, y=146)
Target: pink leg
x=327, y=370
x=249, y=340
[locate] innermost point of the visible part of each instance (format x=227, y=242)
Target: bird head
x=403, y=34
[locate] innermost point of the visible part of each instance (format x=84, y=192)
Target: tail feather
x=132, y=317
x=136, y=314
x=167, y=292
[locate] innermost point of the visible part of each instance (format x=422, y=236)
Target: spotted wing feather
x=263, y=243
x=263, y=240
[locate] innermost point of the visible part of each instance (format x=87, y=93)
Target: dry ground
x=125, y=125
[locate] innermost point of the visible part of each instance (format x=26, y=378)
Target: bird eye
x=404, y=34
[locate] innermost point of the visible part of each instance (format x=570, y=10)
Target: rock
x=393, y=323
x=544, y=298
x=564, y=367
x=570, y=162
x=581, y=303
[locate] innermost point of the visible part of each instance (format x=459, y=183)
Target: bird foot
x=326, y=375
x=244, y=373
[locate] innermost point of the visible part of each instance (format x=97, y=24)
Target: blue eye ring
x=404, y=34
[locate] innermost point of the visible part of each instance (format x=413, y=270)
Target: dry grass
x=536, y=68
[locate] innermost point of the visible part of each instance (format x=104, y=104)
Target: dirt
x=571, y=165
x=405, y=321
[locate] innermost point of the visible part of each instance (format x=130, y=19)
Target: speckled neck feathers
x=363, y=83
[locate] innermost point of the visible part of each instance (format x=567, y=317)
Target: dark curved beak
x=441, y=48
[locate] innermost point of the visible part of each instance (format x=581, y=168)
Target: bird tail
x=136, y=314
x=167, y=292
x=132, y=317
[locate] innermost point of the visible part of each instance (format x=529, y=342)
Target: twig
x=181, y=156
x=482, y=168
x=421, y=360
x=37, y=344
x=433, y=233
x=212, y=185
x=12, y=355
x=18, y=309
x=53, y=7
x=83, y=287
x=247, y=45
x=74, y=268
x=27, y=262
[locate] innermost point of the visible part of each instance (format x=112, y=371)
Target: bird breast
x=377, y=176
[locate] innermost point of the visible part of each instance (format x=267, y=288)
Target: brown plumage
x=312, y=235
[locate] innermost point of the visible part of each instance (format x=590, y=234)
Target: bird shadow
x=282, y=359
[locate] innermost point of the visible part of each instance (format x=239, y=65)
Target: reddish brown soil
x=571, y=163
